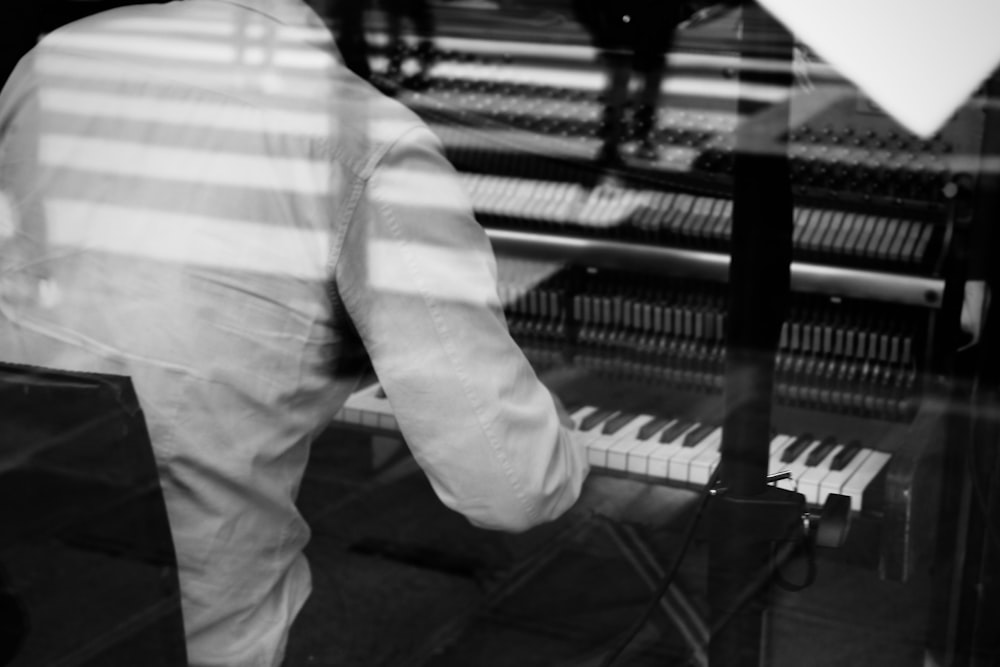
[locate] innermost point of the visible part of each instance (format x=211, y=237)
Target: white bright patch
x=432, y=271
x=190, y=239
x=917, y=59
x=8, y=217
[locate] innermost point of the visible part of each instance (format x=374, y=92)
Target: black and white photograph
x=499, y=333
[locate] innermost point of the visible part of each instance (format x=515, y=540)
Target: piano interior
x=604, y=178
x=613, y=275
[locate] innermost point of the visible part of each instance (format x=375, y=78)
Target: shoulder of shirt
x=389, y=125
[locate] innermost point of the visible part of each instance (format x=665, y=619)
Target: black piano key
x=650, y=428
x=674, y=432
x=693, y=438
x=794, y=450
x=819, y=453
x=380, y=392
x=595, y=418
x=845, y=455
x=617, y=422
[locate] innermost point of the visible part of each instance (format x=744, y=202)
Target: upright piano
x=622, y=276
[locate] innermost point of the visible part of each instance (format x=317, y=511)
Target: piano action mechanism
x=625, y=283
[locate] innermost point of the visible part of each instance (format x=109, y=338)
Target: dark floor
x=399, y=580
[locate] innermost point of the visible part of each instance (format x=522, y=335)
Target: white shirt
x=200, y=196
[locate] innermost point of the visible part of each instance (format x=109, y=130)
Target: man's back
x=177, y=206
x=201, y=164
x=199, y=196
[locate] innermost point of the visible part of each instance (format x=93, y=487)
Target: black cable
x=667, y=580
x=809, y=552
x=753, y=587
x=751, y=590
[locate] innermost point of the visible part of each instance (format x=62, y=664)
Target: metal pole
x=743, y=518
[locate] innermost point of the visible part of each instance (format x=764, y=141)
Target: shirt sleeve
x=417, y=276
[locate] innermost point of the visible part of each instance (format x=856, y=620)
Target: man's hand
x=559, y=380
x=564, y=417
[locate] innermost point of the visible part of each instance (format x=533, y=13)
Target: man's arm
x=418, y=278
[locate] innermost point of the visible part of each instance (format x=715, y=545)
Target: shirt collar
x=295, y=13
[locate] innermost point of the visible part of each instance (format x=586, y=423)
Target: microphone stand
x=748, y=515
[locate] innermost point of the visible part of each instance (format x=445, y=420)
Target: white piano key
x=701, y=467
x=812, y=478
x=620, y=451
x=597, y=448
x=797, y=468
x=638, y=456
x=347, y=415
x=679, y=469
x=776, y=464
x=835, y=480
x=624, y=451
x=778, y=443
x=863, y=476
x=578, y=414
x=663, y=452
x=593, y=433
x=367, y=408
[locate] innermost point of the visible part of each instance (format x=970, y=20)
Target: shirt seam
x=362, y=176
x=448, y=346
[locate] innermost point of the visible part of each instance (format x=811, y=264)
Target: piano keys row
x=681, y=451
x=657, y=215
x=687, y=452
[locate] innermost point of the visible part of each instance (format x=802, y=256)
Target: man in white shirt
x=200, y=196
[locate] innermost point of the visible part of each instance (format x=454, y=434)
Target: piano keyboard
x=680, y=451
x=369, y=408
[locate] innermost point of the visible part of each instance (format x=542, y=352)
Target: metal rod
x=883, y=286
x=759, y=284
